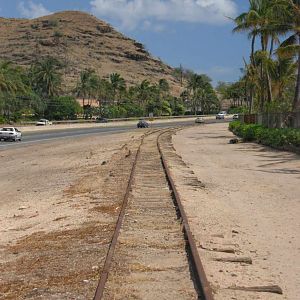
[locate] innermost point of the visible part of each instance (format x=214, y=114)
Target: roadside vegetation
x=282, y=138
x=39, y=91
x=270, y=80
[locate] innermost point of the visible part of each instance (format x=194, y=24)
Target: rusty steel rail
x=201, y=281
x=199, y=273
x=104, y=274
x=108, y=260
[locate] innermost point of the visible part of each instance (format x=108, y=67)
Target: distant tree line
x=37, y=91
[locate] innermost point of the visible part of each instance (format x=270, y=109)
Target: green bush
x=274, y=137
x=63, y=108
x=124, y=110
x=238, y=110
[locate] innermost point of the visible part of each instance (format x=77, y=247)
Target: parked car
x=220, y=116
x=43, y=122
x=101, y=120
x=199, y=120
x=142, y=124
x=10, y=134
x=235, y=117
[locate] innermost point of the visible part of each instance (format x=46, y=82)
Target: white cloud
x=32, y=10
x=132, y=13
x=147, y=25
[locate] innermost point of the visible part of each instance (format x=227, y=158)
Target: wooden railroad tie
x=275, y=289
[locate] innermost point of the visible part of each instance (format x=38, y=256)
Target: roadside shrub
x=249, y=132
x=274, y=137
x=235, y=127
x=63, y=108
x=238, y=110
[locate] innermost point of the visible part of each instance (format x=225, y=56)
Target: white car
x=10, y=134
x=220, y=116
x=235, y=117
x=43, y=122
x=199, y=120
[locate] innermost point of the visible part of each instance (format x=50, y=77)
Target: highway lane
x=30, y=138
x=50, y=135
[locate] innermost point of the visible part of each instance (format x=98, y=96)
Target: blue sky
x=194, y=33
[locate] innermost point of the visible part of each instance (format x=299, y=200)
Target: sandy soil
x=58, y=207
x=248, y=201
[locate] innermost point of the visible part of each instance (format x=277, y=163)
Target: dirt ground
x=58, y=208
x=249, y=203
x=59, y=203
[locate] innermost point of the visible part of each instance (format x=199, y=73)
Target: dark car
x=142, y=124
x=101, y=120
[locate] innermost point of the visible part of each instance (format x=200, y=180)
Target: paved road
x=46, y=136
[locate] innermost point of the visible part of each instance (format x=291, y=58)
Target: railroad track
x=152, y=253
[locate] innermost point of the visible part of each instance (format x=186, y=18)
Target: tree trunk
x=262, y=41
x=262, y=88
x=252, y=50
x=251, y=100
x=296, y=104
x=272, y=46
x=270, y=96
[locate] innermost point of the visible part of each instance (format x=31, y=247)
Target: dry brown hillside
x=82, y=41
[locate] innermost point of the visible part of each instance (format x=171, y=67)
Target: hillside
x=82, y=41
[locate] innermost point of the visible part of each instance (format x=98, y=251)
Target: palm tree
x=259, y=21
x=143, y=91
x=83, y=88
x=104, y=92
x=283, y=72
x=290, y=22
x=245, y=23
x=46, y=77
x=118, y=85
x=252, y=83
x=11, y=78
x=12, y=86
x=198, y=88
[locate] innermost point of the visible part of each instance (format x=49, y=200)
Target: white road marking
x=61, y=137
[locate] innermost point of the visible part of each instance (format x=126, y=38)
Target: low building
x=88, y=102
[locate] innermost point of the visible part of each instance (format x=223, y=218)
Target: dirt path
x=248, y=202
x=58, y=207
